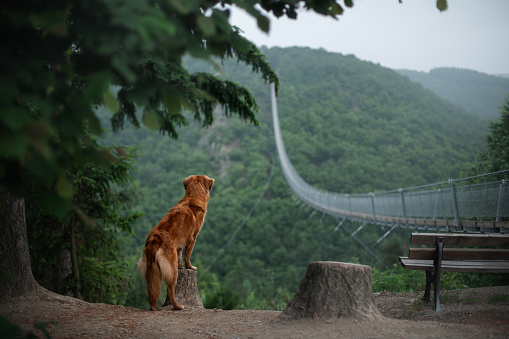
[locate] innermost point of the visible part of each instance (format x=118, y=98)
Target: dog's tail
x=154, y=267
x=157, y=262
x=142, y=264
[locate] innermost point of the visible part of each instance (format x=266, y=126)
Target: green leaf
x=55, y=205
x=13, y=145
x=15, y=117
x=93, y=124
x=349, y=3
x=172, y=103
x=8, y=91
x=97, y=85
x=336, y=9
x=64, y=187
x=91, y=222
x=151, y=27
x=442, y=5
x=123, y=69
x=263, y=23
x=240, y=44
x=39, y=131
x=110, y=102
x=151, y=120
x=206, y=25
x=180, y=6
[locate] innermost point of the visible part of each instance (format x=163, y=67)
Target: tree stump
x=333, y=290
x=186, y=290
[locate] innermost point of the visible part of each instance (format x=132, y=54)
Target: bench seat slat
x=487, y=266
x=459, y=239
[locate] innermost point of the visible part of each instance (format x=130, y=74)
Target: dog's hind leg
x=168, y=263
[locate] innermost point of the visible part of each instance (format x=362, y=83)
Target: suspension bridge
x=478, y=204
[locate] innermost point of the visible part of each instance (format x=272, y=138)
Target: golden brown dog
x=178, y=229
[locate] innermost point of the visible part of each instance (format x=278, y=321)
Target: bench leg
x=437, y=263
x=437, y=292
x=429, y=277
x=433, y=277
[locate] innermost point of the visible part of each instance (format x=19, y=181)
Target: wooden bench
x=461, y=258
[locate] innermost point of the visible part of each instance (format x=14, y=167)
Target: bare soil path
x=470, y=313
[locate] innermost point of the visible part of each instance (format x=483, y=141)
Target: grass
x=455, y=298
x=470, y=300
x=498, y=298
x=449, y=298
x=415, y=306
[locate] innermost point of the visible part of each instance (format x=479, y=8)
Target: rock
x=332, y=290
x=186, y=290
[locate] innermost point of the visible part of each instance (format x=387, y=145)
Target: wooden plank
x=412, y=264
x=419, y=222
x=485, y=224
x=469, y=223
x=395, y=220
x=457, y=266
x=476, y=266
x=460, y=254
x=467, y=266
x=461, y=239
x=430, y=222
x=502, y=224
x=441, y=222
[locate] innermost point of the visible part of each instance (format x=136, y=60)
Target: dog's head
x=198, y=184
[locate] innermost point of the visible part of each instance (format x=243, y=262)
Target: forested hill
x=348, y=126
x=478, y=93
x=366, y=125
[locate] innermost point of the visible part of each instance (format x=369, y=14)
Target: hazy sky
x=472, y=34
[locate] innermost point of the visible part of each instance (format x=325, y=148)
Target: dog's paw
x=193, y=268
x=178, y=308
x=154, y=309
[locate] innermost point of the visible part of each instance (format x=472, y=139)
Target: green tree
x=496, y=156
x=83, y=255
x=60, y=58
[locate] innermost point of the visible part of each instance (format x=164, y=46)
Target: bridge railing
x=474, y=204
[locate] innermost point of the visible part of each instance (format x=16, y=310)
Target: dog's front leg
x=188, y=252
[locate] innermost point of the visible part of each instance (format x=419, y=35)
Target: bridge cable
x=370, y=251
x=243, y=223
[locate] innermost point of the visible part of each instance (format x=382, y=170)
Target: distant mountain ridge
x=479, y=93
x=367, y=124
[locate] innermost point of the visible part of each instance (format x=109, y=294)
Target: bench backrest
x=460, y=239
x=461, y=254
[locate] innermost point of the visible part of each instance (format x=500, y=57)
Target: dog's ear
x=187, y=180
x=209, y=182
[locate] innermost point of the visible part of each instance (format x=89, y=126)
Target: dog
x=162, y=255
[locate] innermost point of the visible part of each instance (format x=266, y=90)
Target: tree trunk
x=331, y=290
x=186, y=290
x=74, y=260
x=16, y=276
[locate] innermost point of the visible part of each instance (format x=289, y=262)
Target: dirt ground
x=470, y=313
